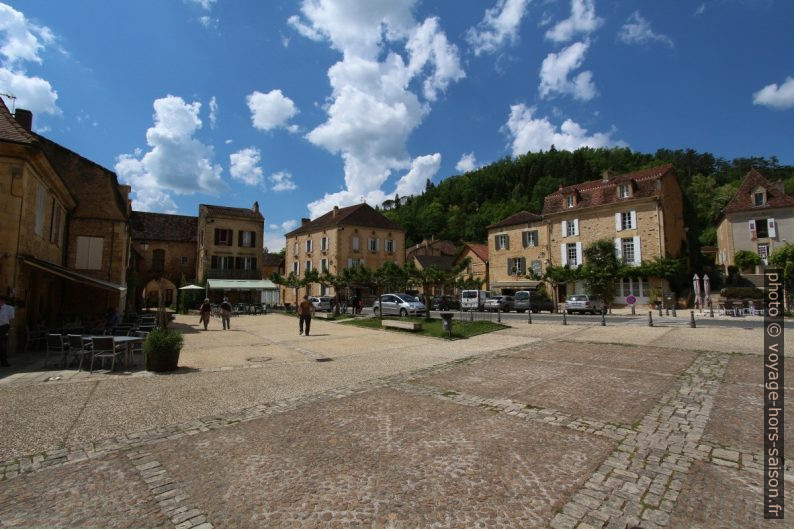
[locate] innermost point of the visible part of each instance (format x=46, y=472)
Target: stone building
x=432, y=246
x=164, y=257
x=759, y=219
x=272, y=263
x=518, y=248
x=479, y=262
x=230, y=251
x=642, y=212
x=342, y=238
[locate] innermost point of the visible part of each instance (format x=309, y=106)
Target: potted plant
x=161, y=350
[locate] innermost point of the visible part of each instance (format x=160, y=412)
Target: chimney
x=256, y=207
x=24, y=118
x=305, y=221
x=336, y=211
x=606, y=174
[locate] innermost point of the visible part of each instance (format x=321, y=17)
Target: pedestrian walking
x=204, y=313
x=305, y=312
x=6, y=315
x=226, y=313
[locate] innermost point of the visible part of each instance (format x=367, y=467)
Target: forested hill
x=460, y=207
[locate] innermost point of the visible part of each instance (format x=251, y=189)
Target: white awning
x=241, y=284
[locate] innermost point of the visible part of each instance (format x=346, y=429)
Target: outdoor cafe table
x=127, y=341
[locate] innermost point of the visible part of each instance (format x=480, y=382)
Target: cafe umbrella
x=696, y=286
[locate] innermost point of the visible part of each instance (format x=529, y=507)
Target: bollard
x=529, y=316
x=660, y=311
x=603, y=319
x=564, y=320
x=692, y=319
x=633, y=313
x=471, y=315
x=667, y=311
x=711, y=311
x=650, y=318
x=498, y=315
x=674, y=315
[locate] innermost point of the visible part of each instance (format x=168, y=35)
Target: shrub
x=745, y=259
x=161, y=349
x=742, y=292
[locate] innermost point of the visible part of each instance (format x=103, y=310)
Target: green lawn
x=433, y=327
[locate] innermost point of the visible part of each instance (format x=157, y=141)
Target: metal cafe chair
x=78, y=347
x=57, y=345
x=105, y=347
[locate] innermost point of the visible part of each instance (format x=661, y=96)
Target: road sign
x=631, y=300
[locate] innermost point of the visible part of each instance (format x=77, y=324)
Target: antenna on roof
x=362, y=199
x=13, y=99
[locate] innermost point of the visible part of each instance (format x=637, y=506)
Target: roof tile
x=358, y=215
x=743, y=199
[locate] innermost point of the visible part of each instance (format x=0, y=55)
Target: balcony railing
x=220, y=273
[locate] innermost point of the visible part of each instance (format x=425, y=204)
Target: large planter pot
x=161, y=361
x=162, y=349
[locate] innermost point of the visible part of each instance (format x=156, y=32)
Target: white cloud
x=205, y=4
x=270, y=110
x=499, y=25
x=466, y=163
x=555, y=70
x=303, y=29
x=244, y=166
x=582, y=20
x=528, y=133
x=176, y=161
x=274, y=234
x=700, y=9
x=208, y=21
x=21, y=41
x=282, y=181
x=637, y=30
x=423, y=168
x=777, y=97
x=213, y=112
x=372, y=109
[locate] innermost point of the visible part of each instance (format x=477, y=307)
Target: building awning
x=528, y=285
x=240, y=284
x=71, y=275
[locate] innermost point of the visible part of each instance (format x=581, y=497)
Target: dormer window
x=624, y=191
x=570, y=201
x=758, y=198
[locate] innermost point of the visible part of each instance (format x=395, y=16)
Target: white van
x=473, y=299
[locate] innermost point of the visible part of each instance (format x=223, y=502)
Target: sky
x=304, y=105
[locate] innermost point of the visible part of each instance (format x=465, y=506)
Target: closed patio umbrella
x=696, y=286
x=707, y=289
x=191, y=287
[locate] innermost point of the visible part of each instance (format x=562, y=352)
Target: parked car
x=473, y=299
x=399, y=304
x=444, y=303
x=321, y=303
x=535, y=301
x=583, y=303
x=501, y=303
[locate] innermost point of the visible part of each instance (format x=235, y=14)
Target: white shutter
x=637, y=252
x=618, y=222
x=633, y=219
x=618, y=248
x=578, y=254
x=81, y=259
x=576, y=227
x=95, y=254
x=507, y=242
x=751, y=225
x=770, y=226
x=565, y=228
x=563, y=255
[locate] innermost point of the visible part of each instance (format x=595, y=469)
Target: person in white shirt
x=6, y=315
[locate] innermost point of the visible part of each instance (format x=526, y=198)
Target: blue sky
x=305, y=105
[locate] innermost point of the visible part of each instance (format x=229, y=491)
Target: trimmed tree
x=601, y=270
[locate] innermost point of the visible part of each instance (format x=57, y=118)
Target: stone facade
x=518, y=249
x=478, y=268
x=224, y=251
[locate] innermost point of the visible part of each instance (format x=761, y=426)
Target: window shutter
x=522, y=266
x=507, y=242
x=576, y=227
x=637, y=252
x=578, y=254
x=770, y=226
x=240, y=238
x=509, y=267
x=565, y=228
x=633, y=219
x=618, y=248
x=217, y=235
x=751, y=225
x=618, y=222
x=563, y=254
x=95, y=255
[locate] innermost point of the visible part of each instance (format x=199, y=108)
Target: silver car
x=321, y=303
x=583, y=303
x=399, y=304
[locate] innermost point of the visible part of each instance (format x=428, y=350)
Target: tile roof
x=95, y=188
x=445, y=247
x=522, y=217
x=442, y=262
x=272, y=259
x=600, y=192
x=480, y=250
x=743, y=199
x=358, y=215
x=225, y=211
x=163, y=227
x=11, y=130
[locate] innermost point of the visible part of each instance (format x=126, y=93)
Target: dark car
x=444, y=303
x=540, y=303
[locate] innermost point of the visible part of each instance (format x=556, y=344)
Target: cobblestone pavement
x=567, y=435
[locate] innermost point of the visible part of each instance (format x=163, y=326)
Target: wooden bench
x=399, y=324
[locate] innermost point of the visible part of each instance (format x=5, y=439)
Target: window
x=356, y=243
x=295, y=248
x=324, y=244
x=503, y=242
x=309, y=246
x=529, y=238
x=223, y=237
x=183, y=260
x=570, y=201
x=625, y=221
x=389, y=245
x=246, y=239
x=763, y=252
x=758, y=198
x=296, y=268
x=571, y=228
x=761, y=228
x=352, y=262
x=517, y=266
x=158, y=260
x=572, y=254
x=222, y=262
x=623, y=190
x=89, y=253
x=372, y=244
x=323, y=290
x=245, y=263
x=627, y=250
x=537, y=268
x=55, y=223
x=323, y=265
x=41, y=199
x=308, y=266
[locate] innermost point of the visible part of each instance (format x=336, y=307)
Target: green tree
x=783, y=258
x=745, y=259
x=601, y=270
